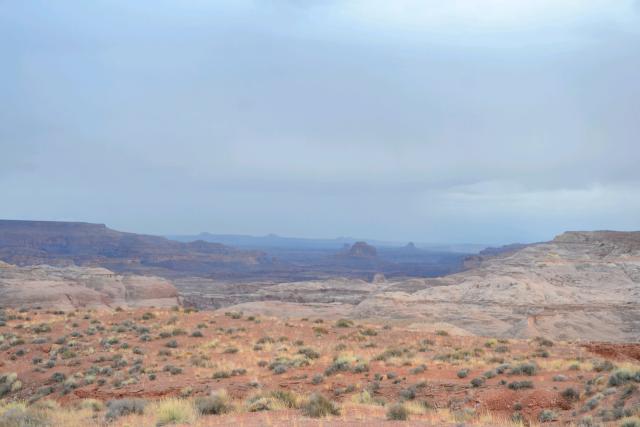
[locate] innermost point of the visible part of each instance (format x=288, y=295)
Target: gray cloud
x=322, y=118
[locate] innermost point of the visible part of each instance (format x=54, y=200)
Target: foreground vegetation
x=163, y=367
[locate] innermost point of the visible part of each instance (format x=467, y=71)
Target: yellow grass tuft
x=174, y=411
x=93, y=404
x=416, y=408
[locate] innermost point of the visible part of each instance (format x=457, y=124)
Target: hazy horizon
x=459, y=121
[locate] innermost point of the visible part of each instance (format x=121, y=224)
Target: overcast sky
x=485, y=121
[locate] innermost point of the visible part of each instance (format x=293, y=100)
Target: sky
x=444, y=121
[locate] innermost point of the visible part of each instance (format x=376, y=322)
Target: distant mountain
x=268, y=258
x=409, y=247
x=66, y=243
x=360, y=250
x=268, y=241
x=273, y=241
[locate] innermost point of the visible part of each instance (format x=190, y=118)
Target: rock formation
x=74, y=243
x=410, y=247
x=581, y=285
x=64, y=288
x=362, y=250
x=474, y=261
x=378, y=279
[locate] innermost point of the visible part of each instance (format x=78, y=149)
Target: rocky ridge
x=76, y=243
x=71, y=287
x=581, y=285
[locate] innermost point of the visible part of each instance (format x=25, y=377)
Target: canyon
x=580, y=285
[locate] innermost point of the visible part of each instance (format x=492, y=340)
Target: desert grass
x=45, y=413
x=71, y=417
x=364, y=396
x=173, y=411
x=560, y=364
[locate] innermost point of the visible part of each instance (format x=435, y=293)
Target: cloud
x=384, y=119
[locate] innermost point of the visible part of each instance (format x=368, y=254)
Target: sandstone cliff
x=362, y=250
x=64, y=288
x=74, y=243
x=581, y=285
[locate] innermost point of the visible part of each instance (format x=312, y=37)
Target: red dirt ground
x=438, y=386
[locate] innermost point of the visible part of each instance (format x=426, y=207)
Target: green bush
x=42, y=328
x=58, y=377
x=517, y=385
x=418, y=369
x=279, y=369
x=221, y=374
x=344, y=323
x=369, y=332
x=489, y=374
x=265, y=340
x=19, y=416
x=173, y=370
x=148, y=316
x=121, y=407
x=344, y=364
x=622, y=376
x=398, y=412
x=603, y=365
x=215, y=404
x=501, y=369
x=234, y=314
x=477, y=382
x=388, y=353
x=408, y=393
x=309, y=353
x=319, y=406
x=360, y=368
x=544, y=341
x=547, y=415
x=287, y=398
x=524, y=369
x=571, y=394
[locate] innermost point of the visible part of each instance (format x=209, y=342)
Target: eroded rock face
x=581, y=285
x=64, y=288
x=410, y=247
x=335, y=291
x=75, y=243
x=474, y=261
x=362, y=250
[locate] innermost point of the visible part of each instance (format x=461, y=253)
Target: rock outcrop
x=410, y=247
x=362, y=250
x=474, y=261
x=66, y=243
x=581, y=285
x=64, y=288
x=74, y=243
